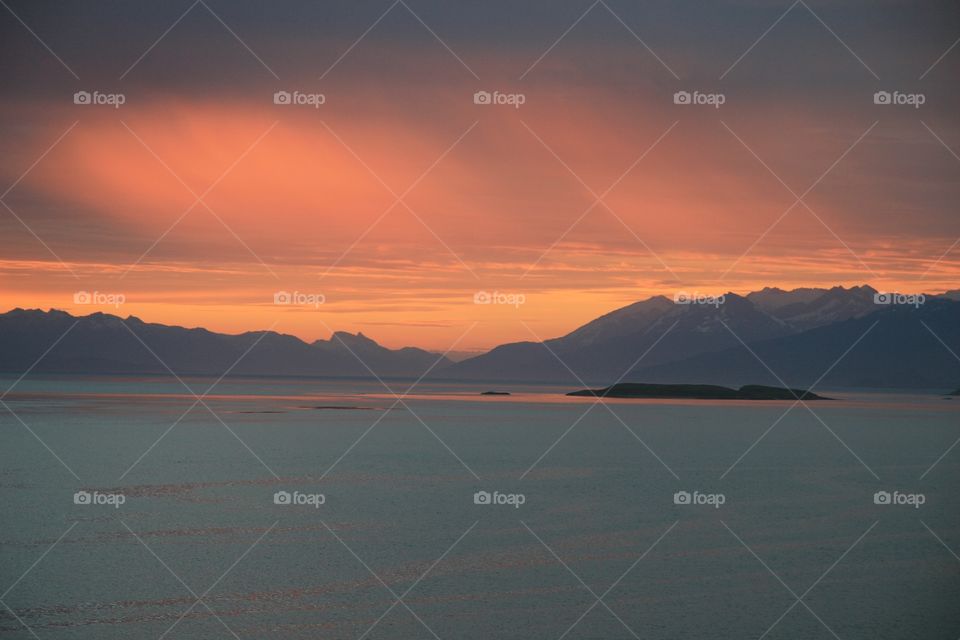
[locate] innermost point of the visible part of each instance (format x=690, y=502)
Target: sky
x=398, y=203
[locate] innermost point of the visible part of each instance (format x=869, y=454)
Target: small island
x=697, y=392
x=495, y=393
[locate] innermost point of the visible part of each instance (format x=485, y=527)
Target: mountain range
x=772, y=337
x=849, y=337
x=103, y=343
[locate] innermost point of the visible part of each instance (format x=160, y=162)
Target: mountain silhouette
x=104, y=343
x=896, y=347
x=797, y=334
x=852, y=337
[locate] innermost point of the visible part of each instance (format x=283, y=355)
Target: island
x=495, y=393
x=698, y=392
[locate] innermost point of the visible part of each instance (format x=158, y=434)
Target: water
x=399, y=508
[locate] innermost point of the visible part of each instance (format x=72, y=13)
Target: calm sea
x=327, y=509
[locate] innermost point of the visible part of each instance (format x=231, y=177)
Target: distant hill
x=953, y=294
x=898, y=352
x=770, y=298
x=697, y=392
x=799, y=334
x=612, y=343
x=804, y=309
x=100, y=343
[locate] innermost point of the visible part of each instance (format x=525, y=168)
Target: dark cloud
x=298, y=40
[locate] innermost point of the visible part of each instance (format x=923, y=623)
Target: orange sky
x=499, y=199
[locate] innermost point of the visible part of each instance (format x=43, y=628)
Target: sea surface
x=133, y=508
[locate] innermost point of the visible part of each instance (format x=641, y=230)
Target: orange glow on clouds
x=288, y=190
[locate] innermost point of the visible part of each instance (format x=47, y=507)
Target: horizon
x=455, y=355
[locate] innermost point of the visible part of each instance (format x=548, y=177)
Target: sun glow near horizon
x=400, y=197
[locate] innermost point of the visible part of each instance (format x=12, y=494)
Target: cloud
x=518, y=189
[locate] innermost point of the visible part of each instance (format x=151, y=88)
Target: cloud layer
x=400, y=197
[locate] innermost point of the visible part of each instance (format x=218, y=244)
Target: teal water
x=398, y=503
